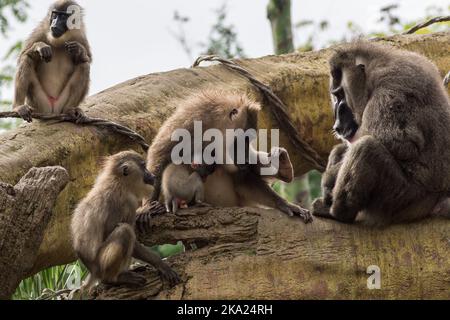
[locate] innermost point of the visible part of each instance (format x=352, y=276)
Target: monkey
x=229, y=184
x=54, y=65
x=184, y=184
x=393, y=115
x=103, y=224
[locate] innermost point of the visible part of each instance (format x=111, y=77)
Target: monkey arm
x=142, y=253
x=255, y=191
x=396, y=128
x=75, y=90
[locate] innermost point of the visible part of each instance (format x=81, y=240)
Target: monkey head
x=60, y=14
x=348, y=87
x=229, y=110
x=128, y=167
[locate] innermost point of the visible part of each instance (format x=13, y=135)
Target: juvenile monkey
x=184, y=184
x=53, y=67
x=229, y=184
x=394, y=115
x=103, y=224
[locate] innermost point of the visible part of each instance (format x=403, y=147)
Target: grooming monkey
x=53, y=66
x=103, y=224
x=394, y=115
x=229, y=184
x=183, y=184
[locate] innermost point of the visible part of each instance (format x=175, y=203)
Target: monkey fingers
x=294, y=210
x=169, y=275
x=320, y=209
x=46, y=53
x=25, y=111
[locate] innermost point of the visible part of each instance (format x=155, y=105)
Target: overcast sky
x=132, y=40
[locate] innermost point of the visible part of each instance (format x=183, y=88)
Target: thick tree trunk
x=25, y=211
x=300, y=80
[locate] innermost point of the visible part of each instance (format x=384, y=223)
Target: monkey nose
x=337, y=128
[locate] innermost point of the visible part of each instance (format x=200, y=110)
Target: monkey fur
x=229, y=184
x=184, y=184
x=103, y=224
x=395, y=163
x=53, y=67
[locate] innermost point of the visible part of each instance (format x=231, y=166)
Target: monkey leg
x=255, y=191
x=114, y=257
x=167, y=273
x=331, y=172
x=75, y=90
x=370, y=178
x=27, y=83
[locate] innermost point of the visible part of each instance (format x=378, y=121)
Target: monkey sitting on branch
x=103, y=224
x=393, y=113
x=235, y=184
x=54, y=64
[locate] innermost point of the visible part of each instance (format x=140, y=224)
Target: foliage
x=388, y=23
x=10, y=10
x=47, y=283
x=222, y=39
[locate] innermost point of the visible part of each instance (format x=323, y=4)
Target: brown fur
x=397, y=168
x=103, y=223
x=228, y=185
x=65, y=76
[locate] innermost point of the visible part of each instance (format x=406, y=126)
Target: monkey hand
x=25, y=112
x=295, y=210
x=168, y=274
x=45, y=53
x=285, y=168
x=77, y=114
x=77, y=52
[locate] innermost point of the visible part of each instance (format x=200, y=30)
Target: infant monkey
x=182, y=185
x=103, y=224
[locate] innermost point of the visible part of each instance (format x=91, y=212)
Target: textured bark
x=245, y=253
x=300, y=80
x=25, y=211
x=279, y=14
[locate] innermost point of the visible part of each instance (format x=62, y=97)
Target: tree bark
x=25, y=211
x=246, y=253
x=279, y=14
x=300, y=80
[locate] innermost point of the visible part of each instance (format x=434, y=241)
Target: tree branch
x=25, y=211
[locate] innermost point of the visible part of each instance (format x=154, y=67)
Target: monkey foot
x=320, y=209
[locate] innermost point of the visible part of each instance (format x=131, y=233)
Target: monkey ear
x=125, y=170
x=233, y=113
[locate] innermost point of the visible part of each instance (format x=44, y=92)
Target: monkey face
x=348, y=95
x=58, y=23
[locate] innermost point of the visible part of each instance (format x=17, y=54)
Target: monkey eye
x=361, y=67
x=233, y=113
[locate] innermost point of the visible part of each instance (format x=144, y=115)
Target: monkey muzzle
x=58, y=24
x=149, y=178
x=344, y=125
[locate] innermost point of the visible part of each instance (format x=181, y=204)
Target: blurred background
x=138, y=37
